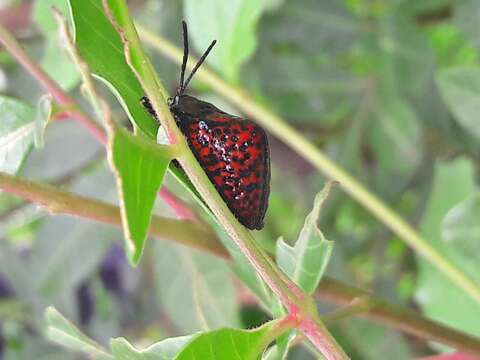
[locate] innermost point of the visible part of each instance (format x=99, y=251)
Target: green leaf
x=70, y=261
x=250, y=278
x=235, y=32
x=220, y=344
x=180, y=175
x=394, y=139
x=305, y=263
x=370, y=341
x=199, y=278
x=56, y=62
x=466, y=14
x=140, y=167
x=163, y=350
x=108, y=63
x=451, y=46
x=406, y=56
x=302, y=76
x=245, y=271
x=100, y=46
x=227, y=344
x=43, y=16
x=461, y=231
x=17, y=131
x=61, y=331
x=43, y=116
x=460, y=88
x=461, y=221
x=274, y=353
x=280, y=350
x=436, y=294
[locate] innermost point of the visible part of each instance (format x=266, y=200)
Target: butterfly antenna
x=199, y=63
x=185, y=57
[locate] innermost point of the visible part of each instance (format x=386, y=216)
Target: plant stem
x=62, y=181
x=72, y=109
x=190, y=235
x=50, y=85
x=330, y=290
x=303, y=147
x=180, y=209
x=286, y=291
x=57, y=201
x=357, y=306
x=398, y=317
x=276, y=328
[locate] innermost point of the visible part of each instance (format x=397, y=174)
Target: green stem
x=276, y=328
x=398, y=317
x=290, y=295
x=357, y=306
x=197, y=236
x=63, y=202
x=303, y=147
x=191, y=235
x=102, y=111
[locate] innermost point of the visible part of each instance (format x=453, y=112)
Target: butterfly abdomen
x=232, y=151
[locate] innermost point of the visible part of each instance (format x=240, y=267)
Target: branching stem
x=196, y=236
x=294, y=300
x=283, y=131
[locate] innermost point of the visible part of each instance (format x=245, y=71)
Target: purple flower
x=85, y=304
x=5, y=288
x=111, y=270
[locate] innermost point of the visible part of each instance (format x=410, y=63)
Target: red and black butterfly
x=233, y=151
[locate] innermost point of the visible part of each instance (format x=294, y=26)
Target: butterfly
x=233, y=151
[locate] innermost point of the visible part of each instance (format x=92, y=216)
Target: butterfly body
x=232, y=151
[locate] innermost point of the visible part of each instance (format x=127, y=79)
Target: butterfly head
x=173, y=101
x=187, y=107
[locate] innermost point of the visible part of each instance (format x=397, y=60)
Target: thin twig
x=179, y=207
x=331, y=290
x=355, y=307
x=182, y=211
x=71, y=109
x=435, y=17
x=295, y=301
x=61, y=181
x=62, y=202
x=60, y=96
x=283, y=131
x=397, y=316
x=196, y=236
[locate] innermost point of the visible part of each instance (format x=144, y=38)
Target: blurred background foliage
x=389, y=89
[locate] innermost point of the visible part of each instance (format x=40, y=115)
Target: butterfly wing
x=234, y=154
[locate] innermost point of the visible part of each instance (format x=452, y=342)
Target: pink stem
x=452, y=356
x=316, y=333
x=63, y=99
x=180, y=209
x=50, y=85
x=88, y=124
x=320, y=338
x=17, y=18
